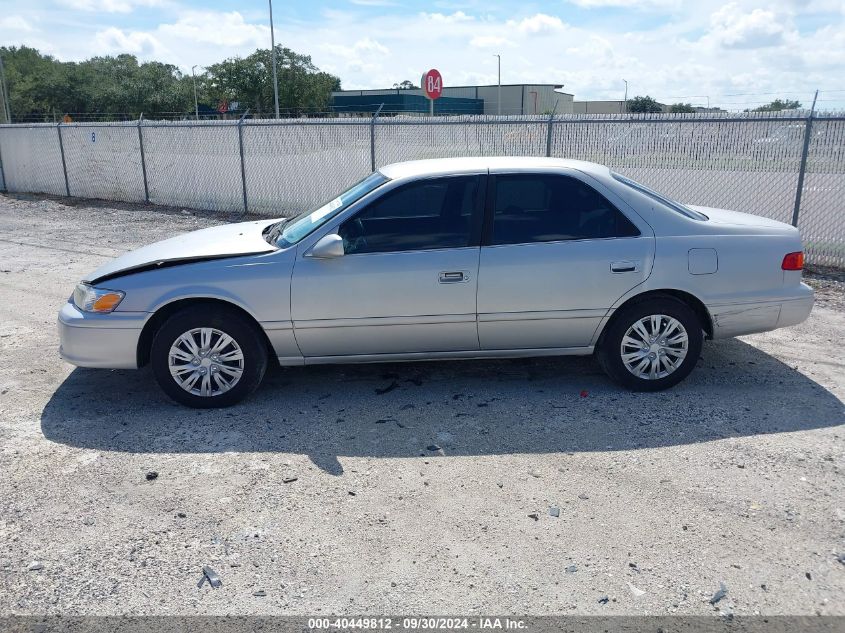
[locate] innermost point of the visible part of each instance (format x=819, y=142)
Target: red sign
x=223, y=107
x=432, y=84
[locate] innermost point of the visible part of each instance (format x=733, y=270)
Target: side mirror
x=328, y=247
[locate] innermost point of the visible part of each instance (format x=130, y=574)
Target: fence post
x=2, y=173
x=241, y=150
x=64, y=164
x=549, y=132
x=808, y=132
x=373, y=138
x=143, y=160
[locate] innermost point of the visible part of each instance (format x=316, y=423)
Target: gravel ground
x=420, y=487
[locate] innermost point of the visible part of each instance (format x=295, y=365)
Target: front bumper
x=100, y=340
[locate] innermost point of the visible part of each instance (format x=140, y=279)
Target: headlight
x=90, y=299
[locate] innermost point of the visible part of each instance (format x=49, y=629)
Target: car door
x=556, y=255
x=407, y=280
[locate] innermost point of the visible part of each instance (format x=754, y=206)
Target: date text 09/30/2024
x=417, y=623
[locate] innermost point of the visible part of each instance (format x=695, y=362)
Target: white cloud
x=113, y=41
x=109, y=6
x=633, y=4
x=16, y=23
x=221, y=29
x=539, y=24
x=490, y=41
x=457, y=16
x=363, y=56
x=759, y=28
x=685, y=54
x=373, y=3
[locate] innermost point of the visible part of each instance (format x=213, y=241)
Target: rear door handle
x=625, y=266
x=452, y=277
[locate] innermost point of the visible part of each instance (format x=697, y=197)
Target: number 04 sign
x=432, y=85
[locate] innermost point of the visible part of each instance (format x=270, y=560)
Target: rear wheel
x=207, y=357
x=651, y=345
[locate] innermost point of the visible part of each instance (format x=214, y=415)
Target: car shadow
x=491, y=407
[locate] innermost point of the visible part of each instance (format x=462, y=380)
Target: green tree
x=120, y=87
x=777, y=105
x=405, y=85
x=302, y=86
x=681, y=108
x=644, y=104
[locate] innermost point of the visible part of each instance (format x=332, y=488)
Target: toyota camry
x=443, y=259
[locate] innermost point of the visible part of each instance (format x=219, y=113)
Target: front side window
x=287, y=233
x=427, y=214
x=548, y=208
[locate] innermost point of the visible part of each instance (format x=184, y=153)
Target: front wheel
x=651, y=345
x=208, y=357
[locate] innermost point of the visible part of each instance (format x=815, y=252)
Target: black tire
x=610, y=349
x=226, y=320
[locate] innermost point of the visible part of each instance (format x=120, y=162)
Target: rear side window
x=677, y=207
x=427, y=214
x=548, y=208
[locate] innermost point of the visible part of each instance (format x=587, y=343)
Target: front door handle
x=452, y=277
x=625, y=266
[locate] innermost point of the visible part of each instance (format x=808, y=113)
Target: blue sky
x=738, y=53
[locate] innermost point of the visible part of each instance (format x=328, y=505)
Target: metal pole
x=549, y=131
x=373, y=138
x=64, y=164
x=4, y=113
x=499, y=97
x=241, y=150
x=143, y=160
x=808, y=131
x=2, y=173
x=4, y=93
x=626, y=97
x=196, y=103
x=275, y=78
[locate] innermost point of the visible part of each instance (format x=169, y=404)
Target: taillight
x=793, y=261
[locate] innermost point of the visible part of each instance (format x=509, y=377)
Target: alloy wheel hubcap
x=206, y=362
x=654, y=346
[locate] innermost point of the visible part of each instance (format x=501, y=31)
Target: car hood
x=737, y=218
x=228, y=240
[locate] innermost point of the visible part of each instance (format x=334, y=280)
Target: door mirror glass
x=327, y=247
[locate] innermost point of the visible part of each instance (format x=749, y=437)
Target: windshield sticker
x=326, y=209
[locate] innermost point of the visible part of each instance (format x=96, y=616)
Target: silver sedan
x=444, y=259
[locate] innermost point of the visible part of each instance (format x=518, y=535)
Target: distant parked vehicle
x=453, y=258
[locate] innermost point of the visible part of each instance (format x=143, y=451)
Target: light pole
x=626, y=96
x=196, y=103
x=5, y=97
x=275, y=78
x=499, y=97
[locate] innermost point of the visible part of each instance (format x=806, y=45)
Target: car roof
x=443, y=166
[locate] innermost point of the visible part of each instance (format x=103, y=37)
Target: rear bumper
x=750, y=318
x=796, y=310
x=100, y=340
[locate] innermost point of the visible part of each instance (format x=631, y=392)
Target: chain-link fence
x=787, y=166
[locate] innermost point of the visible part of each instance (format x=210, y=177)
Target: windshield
x=675, y=206
x=305, y=223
